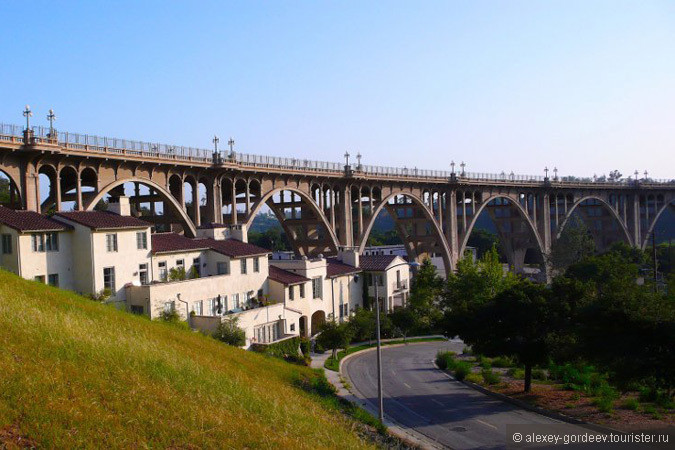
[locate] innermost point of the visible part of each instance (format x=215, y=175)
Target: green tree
x=574, y=244
x=229, y=332
x=334, y=336
x=4, y=191
x=520, y=322
x=177, y=274
x=425, y=294
x=483, y=241
x=362, y=323
x=404, y=320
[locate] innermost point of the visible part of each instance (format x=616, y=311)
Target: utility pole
x=379, y=353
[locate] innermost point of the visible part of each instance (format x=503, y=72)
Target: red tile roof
x=285, y=277
x=378, y=263
x=173, y=242
x=103, y=220
x=29, y=221
x=337, y=268
x=235, y=248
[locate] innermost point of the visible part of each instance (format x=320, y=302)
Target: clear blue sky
x=587, y=86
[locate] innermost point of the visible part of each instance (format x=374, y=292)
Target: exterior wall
x=153, y=297
x=10, y=261
x=83, y=259
x=33, y=264
x=187, y=257
x=249, y=320
x=125, y=260
x=279, y=292
x=343, y=290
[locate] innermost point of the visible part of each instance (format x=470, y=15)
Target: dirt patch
x=580, y=406
x=11, y=438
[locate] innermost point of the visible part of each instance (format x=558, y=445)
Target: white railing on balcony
x=90, y=143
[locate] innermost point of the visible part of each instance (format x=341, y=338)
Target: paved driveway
x=419, y=396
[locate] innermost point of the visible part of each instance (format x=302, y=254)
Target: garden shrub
x=631, y=403
x=474, y=378
x=516, y=373
x=502, y=361
x=445, y=360
x=287, y=349
x=462, y=369
x=490, y=377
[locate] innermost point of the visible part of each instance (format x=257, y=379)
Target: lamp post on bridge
x=27, y=113
x=555, y=174
x=462, y=165
x=358, y=161
x=231, y=144
x=216, y=155
x=646, y=173
x=51, y=117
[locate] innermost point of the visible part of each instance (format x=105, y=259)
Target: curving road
x=419, y=396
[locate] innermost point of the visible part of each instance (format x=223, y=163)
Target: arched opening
x=68, y=179
x=304, y=332
x=601, y=220
x=318, y=319
x=505, y=223
x=149, y=201
x=47, y=180
x=305, y=226
x=402, y=217
x=88, y=184
x=191, y=196
x=660, y=238
x=10, y=195
x=266, y=231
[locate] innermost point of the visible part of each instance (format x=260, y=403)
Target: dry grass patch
x=79, y=374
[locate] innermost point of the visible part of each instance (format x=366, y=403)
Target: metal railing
x=90, y=143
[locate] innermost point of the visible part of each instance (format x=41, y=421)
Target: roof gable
x=23, y=221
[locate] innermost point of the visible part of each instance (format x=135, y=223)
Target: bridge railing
x=85, y=142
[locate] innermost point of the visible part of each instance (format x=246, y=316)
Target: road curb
x=536, y=409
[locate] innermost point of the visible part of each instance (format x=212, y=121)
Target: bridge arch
x=166, y=196
x=417, y=202
x=645, y=239
x=512, y=202
x=15, y=199
x=307, y=201
x=606, y=206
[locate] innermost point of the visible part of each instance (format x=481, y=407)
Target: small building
x=389, y=275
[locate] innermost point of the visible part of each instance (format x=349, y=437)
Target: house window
x=163, y=274
x=198, y=307
x=142, y=240
x=53, y=279
x=317, y=285
x=260, y=293
x=180, y=263
x=7, y=244
x=195, y=267
x=398, y=278
x=111, y=242
x=143, y=273
x=291, y=292
x=136, y=309
x=52, y=242
x=169, y=307
x=243, y=266
x=256, y=264
x=38, y=242
x=223, y=268
x=302, y=291
x=235, y=301
x=40, y=279
x=292, y=327
x=109, y=278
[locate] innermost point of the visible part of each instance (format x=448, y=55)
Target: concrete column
x=248, y=199
x=216, y=200
x=195, y=204
x=331, y=194
x=360, y=204
x=37, y=193
x=545, y=224
x=78, y=190
x=452, y=226
x=464, y=212
x=58, y=191
x=152, y=202
x=233, y=216
x=634, y=220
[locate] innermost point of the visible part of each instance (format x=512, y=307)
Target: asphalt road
x=419, y=396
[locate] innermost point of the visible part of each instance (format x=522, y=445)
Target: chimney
x=122, y=207
x=349, y=255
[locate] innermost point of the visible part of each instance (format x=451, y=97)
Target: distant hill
x=78, y=374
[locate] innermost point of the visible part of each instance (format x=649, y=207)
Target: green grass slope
x=74, y=373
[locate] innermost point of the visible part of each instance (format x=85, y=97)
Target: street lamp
x=462, y=165
x=358, y=160
x=452, y=167
x=231, y=144
x=646, y=173
x=51, y=117
x=215, y=143
x=555, y=173
x=27, y=113
x=380, y=400
x=546, y=172
x=347, y=159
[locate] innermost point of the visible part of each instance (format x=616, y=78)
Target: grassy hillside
x=74, y=373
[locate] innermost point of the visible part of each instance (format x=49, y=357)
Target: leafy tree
x=425, y=293
x=574, y=244
x=334, y=336
x=625, y=328
x=363, y=326
x=273, y=239
x=4, y=191
x=483, y=241
x=404, y=320
x=520, y=322
x=229, y=332
x=614, y=175
x=177, y=274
